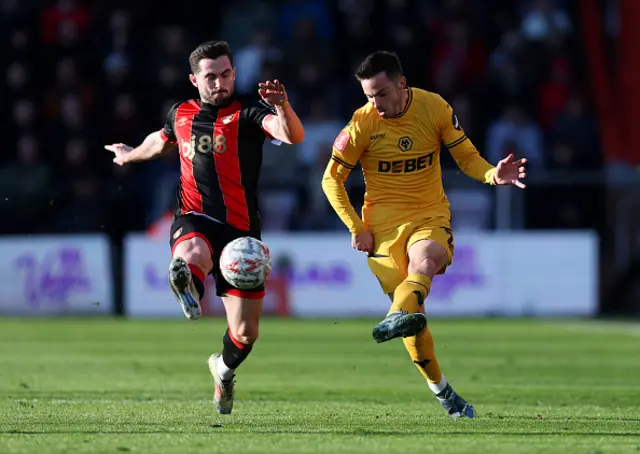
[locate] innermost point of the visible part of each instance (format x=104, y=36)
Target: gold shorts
x=390, y=260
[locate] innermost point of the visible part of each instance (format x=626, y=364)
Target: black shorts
x=217, y=236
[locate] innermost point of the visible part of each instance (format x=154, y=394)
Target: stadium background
x=553, y=81
x=549, y=80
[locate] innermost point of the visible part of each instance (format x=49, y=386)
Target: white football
x=245, y=263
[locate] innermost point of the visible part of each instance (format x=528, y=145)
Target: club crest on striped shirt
x=228, y=119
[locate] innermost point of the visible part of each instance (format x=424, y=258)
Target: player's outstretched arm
x=285, y=126
x=153, y=146
x=470, y=162
x=507, y=171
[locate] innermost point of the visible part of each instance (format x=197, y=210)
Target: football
x=245, y=263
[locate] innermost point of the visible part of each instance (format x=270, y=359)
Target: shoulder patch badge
x=341, y=141
x=455, y=122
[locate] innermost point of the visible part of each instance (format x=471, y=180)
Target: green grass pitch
x=114, y=386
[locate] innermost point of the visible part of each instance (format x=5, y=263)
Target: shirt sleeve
x=257, y=111
x=347, y=149
x=460, y=146
x=168, y=133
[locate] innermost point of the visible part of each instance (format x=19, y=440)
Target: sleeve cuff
x=164, y=137
x=490, y=177
x=358, y=229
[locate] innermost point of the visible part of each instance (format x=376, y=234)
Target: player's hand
x=363, y=242
x=273, y=92
x=509, y=171
x=119, y=150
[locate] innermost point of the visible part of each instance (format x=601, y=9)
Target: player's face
x=385, y=93
x=215, y=79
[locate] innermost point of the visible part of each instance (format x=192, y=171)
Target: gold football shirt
x=400, y=159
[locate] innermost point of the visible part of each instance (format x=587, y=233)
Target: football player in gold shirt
x=406, y=224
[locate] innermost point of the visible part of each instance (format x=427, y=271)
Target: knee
x=427, y=257
x=197, y=256
x=195, y=253
x=247, y=333
x=425, y=265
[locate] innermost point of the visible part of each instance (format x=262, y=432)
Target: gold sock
x=409, y=296
x=422, y=352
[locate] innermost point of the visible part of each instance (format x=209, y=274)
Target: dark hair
x=209, y=49
x=377, y=62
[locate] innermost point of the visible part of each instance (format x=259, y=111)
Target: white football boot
x=223, y=392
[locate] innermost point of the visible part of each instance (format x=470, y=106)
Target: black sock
x=197, y=276
x=199, y=287
x=233, y=352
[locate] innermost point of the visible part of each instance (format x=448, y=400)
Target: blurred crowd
x=80, y=74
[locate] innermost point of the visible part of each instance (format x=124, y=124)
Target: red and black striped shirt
x=220, y=158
